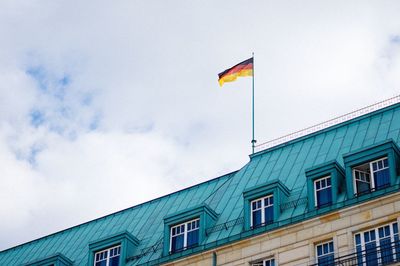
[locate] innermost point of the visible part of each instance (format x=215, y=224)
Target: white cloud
x=141, y=106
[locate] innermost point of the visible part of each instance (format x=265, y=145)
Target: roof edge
x=393, y=106
x=117, y=212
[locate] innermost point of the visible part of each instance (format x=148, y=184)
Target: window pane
x=325, y=248
x=114, y=261
x=324, y=197
x=359, y=256
x=362, y=187
x=397, y=246
x=177, y=243
x=386, y=250
x=395, y=228
x=326, y=260
x=270, y=262
x=358, y=239
x=256, y=218
x=101, y=263
x=382, y=178
x=269, y=215
x=319, y=250
x=371, y=254
x=193, y=238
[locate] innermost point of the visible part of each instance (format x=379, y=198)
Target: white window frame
x=262, y=208
x=107, y=257
x=264, y=262
x=184, y=233
x=377, y=240
x=321, y=244
x=315, y=187
x=371, y=174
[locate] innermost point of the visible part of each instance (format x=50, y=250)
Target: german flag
x=243, y=69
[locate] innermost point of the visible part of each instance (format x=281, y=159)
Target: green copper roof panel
x=286, y=162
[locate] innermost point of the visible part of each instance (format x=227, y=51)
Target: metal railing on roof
x=329, y=123
x=147, y=251
x=225, y=226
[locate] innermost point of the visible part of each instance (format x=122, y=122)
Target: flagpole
x=253, y=141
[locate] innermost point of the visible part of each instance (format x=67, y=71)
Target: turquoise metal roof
x=286, y=162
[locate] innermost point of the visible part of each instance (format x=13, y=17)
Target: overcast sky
x=107, y=104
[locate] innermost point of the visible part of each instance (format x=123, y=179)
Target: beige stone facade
x=295, y=244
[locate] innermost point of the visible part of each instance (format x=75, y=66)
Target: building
x=329, y=197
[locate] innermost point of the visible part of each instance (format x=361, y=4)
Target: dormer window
x=185, y=235
x=261, y=204
x=108, y=257
x=187, y=228
x=323, y=191
x=262, y=211
x=325, y=183
x=371, y=176
x=372, y=169
x=112, y=250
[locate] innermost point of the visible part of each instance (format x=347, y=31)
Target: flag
x=243, y=69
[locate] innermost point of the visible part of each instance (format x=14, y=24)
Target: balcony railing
x=370, y=256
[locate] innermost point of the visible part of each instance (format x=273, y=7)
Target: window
x=371, y=176
x=108, y=257
x=378, y=246
x=325, y=253
x=323, y=192
x=184, y=235
x=262, y=211
x=187, y=228
x=372, y=169
x=325, y=185
x=267, y=262
x=262, y=205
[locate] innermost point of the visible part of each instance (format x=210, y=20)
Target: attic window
x=323, y=191
x=187, y=228
x=185, y=235
x=108, y=257
x=112, y=250
x=325, y=182
x=261, y=204
x=371, y=176
x=262, y=211
x=372, y=169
